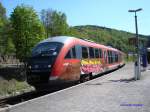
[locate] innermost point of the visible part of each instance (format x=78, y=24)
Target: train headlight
x=29, y=67
x=54, y=53
x=36, y=66
x=53, y=78
x=49, y=66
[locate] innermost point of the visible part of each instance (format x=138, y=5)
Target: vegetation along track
x=6, y=102
x=20, y=98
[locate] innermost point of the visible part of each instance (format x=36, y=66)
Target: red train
x=65, y=59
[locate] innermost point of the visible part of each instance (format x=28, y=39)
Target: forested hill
x=106, y=36
x=20, y=32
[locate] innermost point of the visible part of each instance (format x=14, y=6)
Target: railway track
x=10, y=101
x=5, y=102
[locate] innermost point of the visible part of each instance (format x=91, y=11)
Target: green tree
x=55, y=22
x=27, y=30
x=3, y=23
x=8, y=45
x=3, y=18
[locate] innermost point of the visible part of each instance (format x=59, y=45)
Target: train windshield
x=47, y=49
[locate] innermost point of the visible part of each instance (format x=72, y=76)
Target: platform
x=114, y=92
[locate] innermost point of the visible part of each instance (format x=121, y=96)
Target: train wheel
x=41, y=88
x=38, y=88
x=85, y=78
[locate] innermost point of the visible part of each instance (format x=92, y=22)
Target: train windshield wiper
x=45, y=53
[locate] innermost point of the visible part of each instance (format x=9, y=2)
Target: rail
x=5, y=102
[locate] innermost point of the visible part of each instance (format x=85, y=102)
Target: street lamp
x=137, y=63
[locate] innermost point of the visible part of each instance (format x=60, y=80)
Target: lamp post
x=138, y=62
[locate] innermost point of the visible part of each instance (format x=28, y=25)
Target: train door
x=84, y=60
x=72, y=65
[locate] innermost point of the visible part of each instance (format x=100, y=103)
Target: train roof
x=61, y=39
x=65, y=39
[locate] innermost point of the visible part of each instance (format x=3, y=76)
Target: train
x=64, y=59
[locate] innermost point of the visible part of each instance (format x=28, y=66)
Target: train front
x=41, y=62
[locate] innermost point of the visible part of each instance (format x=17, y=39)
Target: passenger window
x=110, y=58
x=113, y=55
x=78, y=50
x=96, y=53
x=105, y=57
x=100, y=53
x=84, y=52
x=91, y=52
x=117, y=58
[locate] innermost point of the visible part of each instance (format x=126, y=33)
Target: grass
x=13, y=81
x=13, y=87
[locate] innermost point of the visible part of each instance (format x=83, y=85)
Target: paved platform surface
x=114, y=92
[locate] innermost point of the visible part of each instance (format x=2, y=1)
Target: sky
x=107, y=13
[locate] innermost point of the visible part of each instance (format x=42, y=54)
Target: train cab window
x=68, y=54
x=84, y=52
x=96, y=53
x=91, y=52
x=100, y=53
x=47, y=49
x=73, y=52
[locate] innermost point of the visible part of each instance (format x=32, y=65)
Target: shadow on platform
x=110, y=81
x=124, y=80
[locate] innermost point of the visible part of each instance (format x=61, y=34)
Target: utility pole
x=138, y=61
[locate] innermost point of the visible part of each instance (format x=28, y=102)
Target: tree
x=7, y=43
x=27, y=30
x=3, y=22
x=3, y=18
x=55, y=23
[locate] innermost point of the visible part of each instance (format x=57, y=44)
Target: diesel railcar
x=65, y=59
